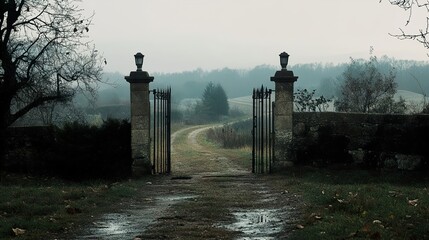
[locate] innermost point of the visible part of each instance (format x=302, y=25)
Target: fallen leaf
x=413, y=202
x=18, y=231
x=392, y=192
x=299, y=226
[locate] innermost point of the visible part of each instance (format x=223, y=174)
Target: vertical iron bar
x=165, y=132
x=258, y=129
x=154, y=133
x=162, y=131
x=262, y=129
x=269, y=130
x=264, y=115
x=274, y=133
x=253, y=131
x=158, y=132
x=169, y=133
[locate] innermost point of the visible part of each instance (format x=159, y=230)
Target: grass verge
x=50, y=208
x=357, y=204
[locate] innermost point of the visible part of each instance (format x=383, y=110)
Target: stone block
x=140, y=109
x=140, y=151
x=284, y=96
x=283, y=108
x=140, y=137
x=299, y=129
x=137, y=151
x=283, y=123
x=358, y=156
x=141, y=167
x=139, y=87
x=140, y=123
x=139, y=97
x=408, y=162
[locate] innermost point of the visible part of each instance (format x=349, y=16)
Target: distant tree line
x=410, y=76
x=326, y=79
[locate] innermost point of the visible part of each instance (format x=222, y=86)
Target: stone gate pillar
x=283, y=112
x=140, y=118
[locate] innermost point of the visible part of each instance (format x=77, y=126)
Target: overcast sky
x=180, y=35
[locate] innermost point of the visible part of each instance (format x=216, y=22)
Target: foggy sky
x=180, y=35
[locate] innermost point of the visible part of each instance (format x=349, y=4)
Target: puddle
x=132, y=222
x=175, y=199
x=261, y=224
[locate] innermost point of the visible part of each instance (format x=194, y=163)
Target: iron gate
x=263, y=130
x=161, y=141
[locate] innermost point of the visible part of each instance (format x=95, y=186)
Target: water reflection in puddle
x=132, y=222
x=261, y=224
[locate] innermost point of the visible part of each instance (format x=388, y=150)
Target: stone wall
x=366, y=140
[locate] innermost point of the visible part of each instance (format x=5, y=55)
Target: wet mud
x=211, y=197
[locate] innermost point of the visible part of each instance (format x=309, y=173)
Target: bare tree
x=44, y=55
x=411, y=6
x=365, y=89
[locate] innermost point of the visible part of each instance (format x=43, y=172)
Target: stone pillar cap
x=139, y=77
x=284, y=76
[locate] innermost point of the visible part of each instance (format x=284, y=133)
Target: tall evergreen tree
x=214, y=101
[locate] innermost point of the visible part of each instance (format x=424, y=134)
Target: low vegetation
x=234, y=135
x=355, y=204
x=48, y=208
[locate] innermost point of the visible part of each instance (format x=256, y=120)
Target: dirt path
x=210, y=195
x=192, y=157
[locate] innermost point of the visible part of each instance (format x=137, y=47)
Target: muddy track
x=208, y=196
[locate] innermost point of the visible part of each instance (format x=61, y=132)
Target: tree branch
x=37, y=102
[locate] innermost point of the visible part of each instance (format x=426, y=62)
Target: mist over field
x=411, y=77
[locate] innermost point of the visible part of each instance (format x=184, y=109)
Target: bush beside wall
x=368, y=140
x=76, y=151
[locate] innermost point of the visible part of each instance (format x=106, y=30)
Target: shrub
x=94, y=152
x=76, y=151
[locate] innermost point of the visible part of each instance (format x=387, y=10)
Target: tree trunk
x=3, y=141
